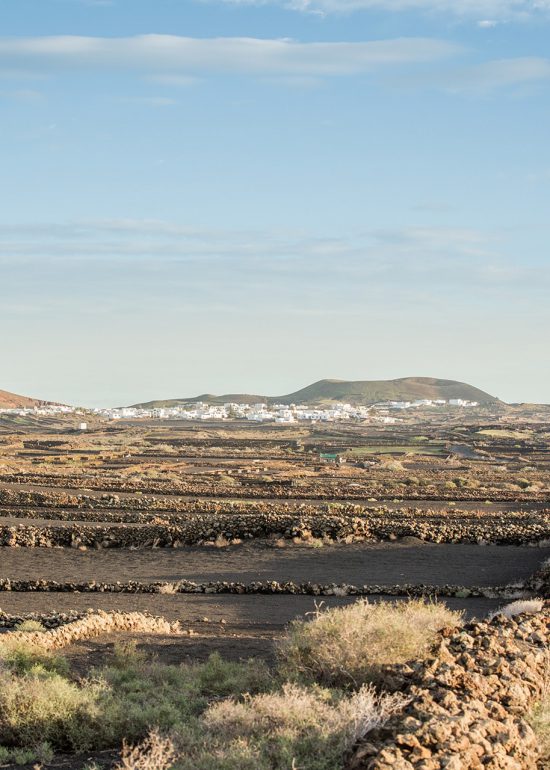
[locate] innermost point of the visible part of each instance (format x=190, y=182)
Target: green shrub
x=44, y=704
x=25, y=657
x=124, y=700
x=30, y=626
x=40, y=753
x=349, y=646
x=141, y=695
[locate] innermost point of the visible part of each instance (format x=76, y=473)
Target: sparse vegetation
x=540, y=721
x=349, y=646
x=309, y=728
x=218, y=714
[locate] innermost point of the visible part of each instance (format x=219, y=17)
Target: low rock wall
x=467, y=702
x=327, y=489
x=95, y=624
x=203, y=528
x=264, y=587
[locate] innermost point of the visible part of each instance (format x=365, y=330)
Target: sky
x=238, y=196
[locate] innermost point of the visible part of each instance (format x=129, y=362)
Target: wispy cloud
x=170, y=55
x=446, y=256
x=476, y=9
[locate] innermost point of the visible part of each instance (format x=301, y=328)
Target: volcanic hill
x=14, y=401
x=354, y=392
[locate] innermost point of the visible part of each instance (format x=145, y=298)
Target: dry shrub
x=43, y=704
x=296, y=710
x=527, y=606
x=307, y=728
x=539, y=718
x=154, y=753
x=540, y=721
x=348, y=646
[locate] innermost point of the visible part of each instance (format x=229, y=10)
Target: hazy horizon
x=243, y=390
x=229, y=195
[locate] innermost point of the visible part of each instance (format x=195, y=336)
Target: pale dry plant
x=156, y=752
x=348, y=646
x=520, y=607
x=297, y=711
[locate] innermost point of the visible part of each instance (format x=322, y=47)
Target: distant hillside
x=355, y=392
x=13, y=401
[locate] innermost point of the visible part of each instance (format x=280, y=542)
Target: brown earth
x=13, y=401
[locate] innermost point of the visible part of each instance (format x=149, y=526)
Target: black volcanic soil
x=236, y=626
x=386, y=563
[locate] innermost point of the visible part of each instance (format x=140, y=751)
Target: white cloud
x=492, y=9
x=170, y=55
x=446, y=256
x=487, y=23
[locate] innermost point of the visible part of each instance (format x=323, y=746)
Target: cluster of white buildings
x=279, y=413
x=421, y=402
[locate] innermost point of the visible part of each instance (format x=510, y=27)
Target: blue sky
x=227, y=196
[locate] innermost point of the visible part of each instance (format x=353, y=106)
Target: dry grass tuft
x=527, y=606
x=349, y=646
x=154, y=753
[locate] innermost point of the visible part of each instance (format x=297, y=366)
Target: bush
x=26, y=657
x=45, y=705
x=296, y=727
x=539, y=718
x=154, y=753
x=141, y=695
x=124, y=700
x=39, y=753
x=30, y=626
x=349, y=646
x=540, y=721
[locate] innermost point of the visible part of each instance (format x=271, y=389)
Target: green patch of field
x=425, y=449
x=500, y=433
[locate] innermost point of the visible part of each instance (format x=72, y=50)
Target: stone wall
x=94, y=624
x=265, y=587
x=467, y=702
x=370, y=526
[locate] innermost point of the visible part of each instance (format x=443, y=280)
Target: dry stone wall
x=467, y=702
x=371, y=526
x=517, y=590
x=94, y=624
